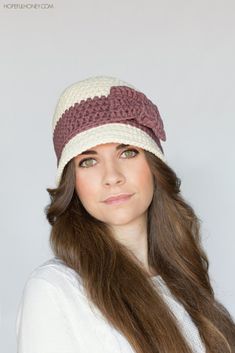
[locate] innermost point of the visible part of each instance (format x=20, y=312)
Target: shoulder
x=52, y=282
x=49, y=286
x=55, y=272
x=42, y=322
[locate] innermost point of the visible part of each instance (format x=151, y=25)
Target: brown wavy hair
x=117, y=284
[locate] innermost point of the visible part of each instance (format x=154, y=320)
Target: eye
x=84, y=161
x=129, y=153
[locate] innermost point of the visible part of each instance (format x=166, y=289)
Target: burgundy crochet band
x=123, y=105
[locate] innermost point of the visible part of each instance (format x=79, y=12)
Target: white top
x=55, y=316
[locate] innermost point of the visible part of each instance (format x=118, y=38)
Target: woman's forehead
x=105, y=146
x=110, y=146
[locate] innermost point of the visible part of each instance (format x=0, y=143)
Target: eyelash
x=87, y=159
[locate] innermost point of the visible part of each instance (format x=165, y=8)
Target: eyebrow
x=94, y=152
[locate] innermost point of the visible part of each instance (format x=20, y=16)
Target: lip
x=118, y=198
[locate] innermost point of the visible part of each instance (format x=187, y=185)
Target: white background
x=181, y=54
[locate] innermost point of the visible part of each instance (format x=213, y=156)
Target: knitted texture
x=123, y=104
x=89, y=88
x=104, y=109
x=54, y=306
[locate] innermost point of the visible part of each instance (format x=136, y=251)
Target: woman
x=129, y=272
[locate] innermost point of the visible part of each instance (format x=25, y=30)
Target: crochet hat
x=104, y=109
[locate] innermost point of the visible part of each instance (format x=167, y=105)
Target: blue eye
x=90, y=159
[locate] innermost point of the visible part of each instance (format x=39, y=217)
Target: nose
x=113, y=175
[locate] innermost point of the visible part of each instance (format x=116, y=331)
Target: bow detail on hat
x=122, y=104
x=128, y=104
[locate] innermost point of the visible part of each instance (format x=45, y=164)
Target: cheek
x=144, y=176
x=146, y=182
x=85, y=187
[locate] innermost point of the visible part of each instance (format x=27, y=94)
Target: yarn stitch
x=122, y=105
x=104, y=109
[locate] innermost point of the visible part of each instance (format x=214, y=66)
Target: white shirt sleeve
x=41, y=326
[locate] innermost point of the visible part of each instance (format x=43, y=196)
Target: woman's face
x=113, y=169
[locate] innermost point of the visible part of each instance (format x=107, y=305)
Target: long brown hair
x=116, y=283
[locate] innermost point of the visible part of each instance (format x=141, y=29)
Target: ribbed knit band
x=104, y=109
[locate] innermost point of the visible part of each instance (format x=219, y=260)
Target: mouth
x=118, y=199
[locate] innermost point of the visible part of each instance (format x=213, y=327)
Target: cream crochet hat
x=104, y=109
